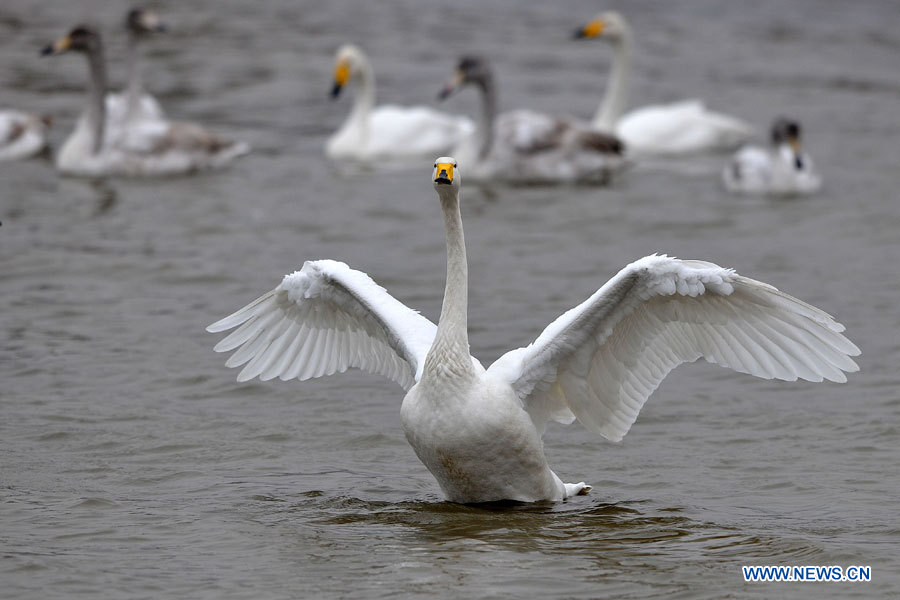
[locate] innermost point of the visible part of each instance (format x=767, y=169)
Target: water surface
x=134, y=466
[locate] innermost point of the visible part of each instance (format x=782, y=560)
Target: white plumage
x=324, y=319
x=479, y=431
x=22, y=134
x=784, y=169
x=387, y=131
x=683, y=127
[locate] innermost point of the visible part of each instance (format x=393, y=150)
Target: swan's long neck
x=365, y=98
x=449, y=353
x=486, y=118
x=135, y=80
x=616, y=97
x=96, y=102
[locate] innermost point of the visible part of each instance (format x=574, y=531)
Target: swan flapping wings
x=600, y=361
x=479, y=431
x=322, y=320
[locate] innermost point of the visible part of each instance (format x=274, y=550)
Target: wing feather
x=600, y=361
x=325, y=319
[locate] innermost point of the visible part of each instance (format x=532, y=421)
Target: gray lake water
x=132, y=465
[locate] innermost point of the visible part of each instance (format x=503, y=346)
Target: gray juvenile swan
x=479, y=431
x=524, y=146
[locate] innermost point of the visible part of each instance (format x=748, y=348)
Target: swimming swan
x=158, y=147
x=22, y=134
x=479, y=431
x=388, y=131
x=664, y=129
x=134, y=105
x=527, y=147
x=784, y=169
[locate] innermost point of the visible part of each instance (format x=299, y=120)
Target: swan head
x=609, y=25
x=349, y=61
x=446, y=175
x=470, y=69
x=81, y=39
x=787, y=131
x=140, y=22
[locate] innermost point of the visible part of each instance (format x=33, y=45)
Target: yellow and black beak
x=341, y=77
x=593, y=29
x=61, y=45
x=794, y=143
x=443, y=173
x=452, y=86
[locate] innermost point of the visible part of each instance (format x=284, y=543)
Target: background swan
x=22, y=134
x=677, y=128
x=152, y=147
x=783, y=169
x=479, y=431
x=133, y=105
x=524, y=146
x=387, y=131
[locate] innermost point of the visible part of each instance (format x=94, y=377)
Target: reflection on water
x=621, y=529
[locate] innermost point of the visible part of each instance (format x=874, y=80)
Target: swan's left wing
x=601, y=360
x=324, y=319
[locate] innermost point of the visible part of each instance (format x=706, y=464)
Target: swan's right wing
x=324, y=319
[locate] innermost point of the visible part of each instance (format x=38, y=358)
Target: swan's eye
x=435, y=165
x=454, y=165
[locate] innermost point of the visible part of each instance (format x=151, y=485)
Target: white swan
x=784, y=169
x=666, y=129
x=151, y=147
x=22, y=134
x=479, y=431
x=133, y=105
x=388, y=131
x=527, y=147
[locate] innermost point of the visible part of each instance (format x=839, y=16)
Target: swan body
x=388, y=131
x=22, y=134
x=685, y=127
x=134, y=105
x=782, y=170
x=99, y=147
x=479, y=430
x=678, y=128
x=528, y=147
x=119, y=114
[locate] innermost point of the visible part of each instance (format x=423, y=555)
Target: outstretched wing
x=600, y=361
x=324, y=319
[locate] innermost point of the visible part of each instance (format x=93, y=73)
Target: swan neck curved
x=449, y=353
x=487, y=116
x=135, y=79
x=615, y=100
x=95, y=112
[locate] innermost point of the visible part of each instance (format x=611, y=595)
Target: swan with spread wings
x=479, y=430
